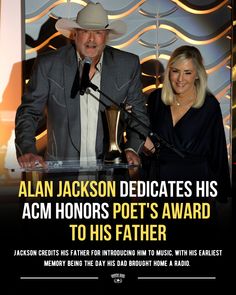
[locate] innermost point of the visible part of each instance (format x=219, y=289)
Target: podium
x=84, y=169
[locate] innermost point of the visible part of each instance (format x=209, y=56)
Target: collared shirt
x=89, y=107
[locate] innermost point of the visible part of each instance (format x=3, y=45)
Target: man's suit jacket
x=52, y=87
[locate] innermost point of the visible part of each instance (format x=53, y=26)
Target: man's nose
x=91, y=36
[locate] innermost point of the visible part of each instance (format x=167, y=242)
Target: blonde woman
x=188, y=116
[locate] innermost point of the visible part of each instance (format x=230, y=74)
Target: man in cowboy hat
x=74, y=121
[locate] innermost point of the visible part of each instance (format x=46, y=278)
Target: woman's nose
x=180, y=77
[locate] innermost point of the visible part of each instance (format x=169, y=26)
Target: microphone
x=84, y=82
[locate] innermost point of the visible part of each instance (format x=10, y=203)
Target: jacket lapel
x=108, y=79
x=72, y=97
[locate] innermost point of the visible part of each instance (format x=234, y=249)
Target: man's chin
x=91, y=53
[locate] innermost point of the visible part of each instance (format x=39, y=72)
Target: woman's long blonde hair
x=183, y=53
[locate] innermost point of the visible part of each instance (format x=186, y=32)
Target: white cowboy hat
x=91, y=17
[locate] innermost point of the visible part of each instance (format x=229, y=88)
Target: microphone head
x=87, y=60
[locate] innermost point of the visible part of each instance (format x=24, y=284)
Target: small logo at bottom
x=118, y=277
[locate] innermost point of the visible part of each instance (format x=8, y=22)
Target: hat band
x=93, y=25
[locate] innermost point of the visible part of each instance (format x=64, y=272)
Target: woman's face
x=182, y=77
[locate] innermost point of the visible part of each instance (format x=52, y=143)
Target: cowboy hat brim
x=66, y=26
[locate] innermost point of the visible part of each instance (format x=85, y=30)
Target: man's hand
x=31, y=161
x=132, y=158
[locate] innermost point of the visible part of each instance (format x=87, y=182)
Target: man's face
x=90, y=43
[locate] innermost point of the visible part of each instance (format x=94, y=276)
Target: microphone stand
x=156, y=139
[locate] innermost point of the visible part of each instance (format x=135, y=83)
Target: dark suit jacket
x=50, y=89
